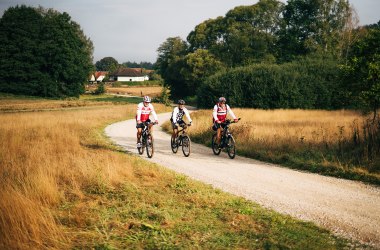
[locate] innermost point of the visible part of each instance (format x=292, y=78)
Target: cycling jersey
x=220, y=113
x=143, y=112
x=178, y=114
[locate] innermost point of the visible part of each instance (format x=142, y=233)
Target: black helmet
x=181, y=102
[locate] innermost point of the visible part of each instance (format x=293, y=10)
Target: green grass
x=164, y=210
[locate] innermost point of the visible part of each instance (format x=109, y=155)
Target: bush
x=308, y=83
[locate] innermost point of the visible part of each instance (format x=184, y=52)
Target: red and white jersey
x=144, y=112
x=220, y=113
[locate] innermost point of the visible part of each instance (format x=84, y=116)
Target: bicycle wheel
x=149, y=146
x=231, y=151
x=215, y=146
x=173, y=145
x=141, y=149
x=186, y=145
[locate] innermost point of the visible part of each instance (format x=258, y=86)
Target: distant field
x=152, y=91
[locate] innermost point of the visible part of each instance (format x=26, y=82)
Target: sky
x=132, y=30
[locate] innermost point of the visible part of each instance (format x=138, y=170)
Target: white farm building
x=129, y=75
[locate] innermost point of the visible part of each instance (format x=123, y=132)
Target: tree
x=107, y=64
x=246, y=34
x=197, y=67
x=170, y=62
x=43, y=53
x=313, y=26
x=363, y=70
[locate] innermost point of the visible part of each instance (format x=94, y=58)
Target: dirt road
x=347, y=208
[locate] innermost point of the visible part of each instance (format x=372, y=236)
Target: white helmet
x=146, y=99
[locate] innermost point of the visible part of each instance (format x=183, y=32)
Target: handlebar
x=231, y=121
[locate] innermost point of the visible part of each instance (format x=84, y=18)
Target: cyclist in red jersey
x=143, y=111
x=219, y=116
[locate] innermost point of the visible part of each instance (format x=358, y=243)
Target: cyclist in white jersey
x=177, y=117
x=143, y=111
x=219, y=116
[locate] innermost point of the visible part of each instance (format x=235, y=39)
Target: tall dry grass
x=152, y=91
x=48, y=159
x=320, y=139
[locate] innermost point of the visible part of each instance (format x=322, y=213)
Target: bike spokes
x=231, y=150
x=174, y=145
x=215, y=146
x=149, y=146
x=186, y=145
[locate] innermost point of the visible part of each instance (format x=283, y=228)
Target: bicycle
x=146, y=141
x=182, y=139
x=226, y=141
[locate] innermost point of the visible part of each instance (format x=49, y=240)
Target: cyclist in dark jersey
x=177, y=117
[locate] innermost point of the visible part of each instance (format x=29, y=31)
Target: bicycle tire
x=141, y=149
x=186, y=145
x=214, y=145
x=173, y=145
x=231, y=150
x=149, y=146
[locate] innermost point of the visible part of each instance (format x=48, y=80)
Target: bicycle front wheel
x=173, y=145
x=214, y=145
x=186, y=145
x=141, y=148
x=231, y=151
x=149, y=146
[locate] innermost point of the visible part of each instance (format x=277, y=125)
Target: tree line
x=43, y=53
x=303, y=54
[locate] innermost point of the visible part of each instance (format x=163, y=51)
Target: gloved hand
x=236, y=120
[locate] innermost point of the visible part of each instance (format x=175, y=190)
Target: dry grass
x=10, y=104
x=47, y=159
x=308, y=139
x=153, y=91
x=62, y=186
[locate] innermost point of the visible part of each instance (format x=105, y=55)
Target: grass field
x=64, y=186
x=328, y=142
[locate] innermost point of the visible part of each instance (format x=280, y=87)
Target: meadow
x=340, y=143
x=65, y=186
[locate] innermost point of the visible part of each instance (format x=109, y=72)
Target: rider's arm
x=187, y=114
x=230, y=112
x=153, y=113
x=214, y=113
x=138, y=114
x=175, y=115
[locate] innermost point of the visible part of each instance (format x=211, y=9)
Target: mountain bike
x=227, y=141
x=182, y=139
x=146, y=140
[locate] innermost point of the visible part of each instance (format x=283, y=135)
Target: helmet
x=181, y=102
x=222, y=99
x=146, y=99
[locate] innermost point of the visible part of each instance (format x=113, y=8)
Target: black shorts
x=141, y=125
x=181, y=122
x=218, y=125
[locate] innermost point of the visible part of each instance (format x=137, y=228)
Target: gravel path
x=347, y=208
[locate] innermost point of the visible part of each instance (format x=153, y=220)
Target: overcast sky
x=132, y=30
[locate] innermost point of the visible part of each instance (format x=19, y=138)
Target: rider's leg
x=150, y=128
x=218, y=135
x=139, y=131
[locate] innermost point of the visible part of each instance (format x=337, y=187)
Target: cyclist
x=144, y=109
x=219, y=115
x=177, y=117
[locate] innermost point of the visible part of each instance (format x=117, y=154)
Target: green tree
x=246, y=34
x=198, y=66
x=107, y=64
x=170, y=62
x=313, y=26
x=43, y=53
x=362, y=70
